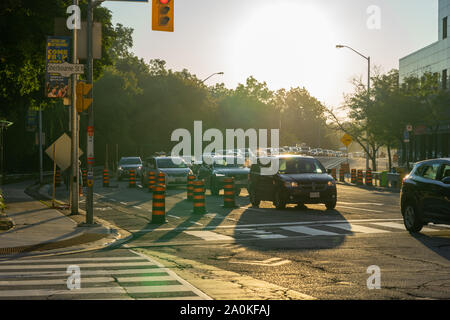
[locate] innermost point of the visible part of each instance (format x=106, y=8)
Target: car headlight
x=190, y=172
x=120, y=168
x=220, y=175
x=331, y=183
x=291, y=184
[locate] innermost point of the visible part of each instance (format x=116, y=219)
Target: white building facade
x=434, y=58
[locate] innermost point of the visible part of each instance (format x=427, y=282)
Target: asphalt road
x=321, y=253
x=244, y=252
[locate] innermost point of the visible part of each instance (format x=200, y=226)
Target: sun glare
x=290, y=44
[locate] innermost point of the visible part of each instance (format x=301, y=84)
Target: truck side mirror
x=446, y=180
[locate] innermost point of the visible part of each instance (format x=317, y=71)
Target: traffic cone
x=151, y=181
x=353, y=176
x=159, y=204
x=369, y=177
x=228, y=191
x=105, y=178
x=190, y=187
x=199, y=197
x=360, y=178
x=132, y=179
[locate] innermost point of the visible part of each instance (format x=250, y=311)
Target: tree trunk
x=389, y=157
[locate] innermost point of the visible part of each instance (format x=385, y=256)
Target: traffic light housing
x=83, y=90
x=162, y=15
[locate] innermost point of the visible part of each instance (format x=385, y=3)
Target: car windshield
x=221, y=163
x=130, y=161
x=168, y=163
x=298, y=165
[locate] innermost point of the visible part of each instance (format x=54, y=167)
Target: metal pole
x=368, y=102
x=41, y=174
x=90, y=136
x=74, y=119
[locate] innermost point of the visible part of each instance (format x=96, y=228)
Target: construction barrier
x=159, y=204
x=341, y=174
x=199, y=197
x=151, y=181
x=132, y=179
x=333, y=173
x=369, y=177
x=84, y=177
x=161, y=179
x=190, y=187
x=353, y=176
x=228, y=191
x=58, y=178
x=360, y=178
x=105, y=178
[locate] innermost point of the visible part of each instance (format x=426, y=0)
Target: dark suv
x=425, y=194
x=300, y=180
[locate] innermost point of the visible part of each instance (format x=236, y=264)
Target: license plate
x=314, y=194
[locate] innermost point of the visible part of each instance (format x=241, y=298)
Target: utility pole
x=368, y=102
x=41, y=175
x=90, y=136
x=74, y=120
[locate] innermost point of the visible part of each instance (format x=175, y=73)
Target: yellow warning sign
x=346, y=140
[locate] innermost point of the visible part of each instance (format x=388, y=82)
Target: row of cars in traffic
x=424, y=197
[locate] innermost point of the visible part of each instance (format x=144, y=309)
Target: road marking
x=111, y=199
x=243, y=226
x=272, y=262
x=363, y=203
x=356, y=228
x=270, y=236
x=24, y=274
x=124, y=203
x=81, y=265
x=400, y=226
x=176, y=217
x=209, y=235
x=197, y=223
x=78, y=260
x=137, y=207
x=369, y=210
x=84, y=280
x=310, y=231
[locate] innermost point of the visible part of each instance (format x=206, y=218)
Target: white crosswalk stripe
x=135, y=277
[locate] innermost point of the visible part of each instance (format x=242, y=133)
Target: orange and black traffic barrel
x=161, y=179
x=84, y=177
x=151, y=181
x=353, y=176
x=159, y=204
x=333, y=173
x=228, y=193
x=360, y=178
x=369, y=177
x=105, y=178
x=57, y=178
x=199, y=197
x=190, y=187
x=132, y=179
x=341, y=174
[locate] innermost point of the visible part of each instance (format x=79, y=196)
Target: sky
x=286, y=43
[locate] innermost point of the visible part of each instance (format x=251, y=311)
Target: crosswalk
x=134, y=276
x=310, y=229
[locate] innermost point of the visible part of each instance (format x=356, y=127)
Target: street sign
x=346, y=140
x=63, y=151
x=406, y=136
x=65, y=69
x=409, y=128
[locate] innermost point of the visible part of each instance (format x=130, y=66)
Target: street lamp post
x=339, y=46
x=211, y=76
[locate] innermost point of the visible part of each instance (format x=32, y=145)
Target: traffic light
x=162, y=15
x=83, y=89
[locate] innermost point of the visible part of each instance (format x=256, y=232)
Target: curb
x=119, y=235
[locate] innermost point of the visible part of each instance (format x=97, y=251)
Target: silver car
x=175, y=169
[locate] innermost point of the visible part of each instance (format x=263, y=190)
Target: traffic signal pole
x=90, y=135
x=74, y=127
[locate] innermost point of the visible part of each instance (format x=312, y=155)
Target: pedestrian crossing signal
x=162, y=15
x=83, y=90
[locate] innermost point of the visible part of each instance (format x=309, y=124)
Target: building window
x=444, y=28
x=444, y=79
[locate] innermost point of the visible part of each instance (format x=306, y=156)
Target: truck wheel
x=279, y=202
x=214, y=189
x=253, y=198
x=330, y=205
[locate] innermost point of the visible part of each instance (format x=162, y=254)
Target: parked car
x=300, y=179
x=222, y=167
x=425, y=194
x=126, y=164
x=175, y=169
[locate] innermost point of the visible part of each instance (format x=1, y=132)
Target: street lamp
x=211, y=76
x=340, y=46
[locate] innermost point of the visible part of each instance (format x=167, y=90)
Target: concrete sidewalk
x=40, y=228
